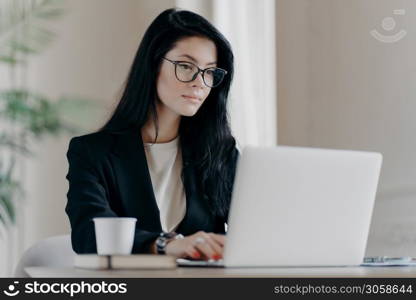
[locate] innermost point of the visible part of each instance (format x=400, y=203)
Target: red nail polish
x=216, y=256
x=196, y=255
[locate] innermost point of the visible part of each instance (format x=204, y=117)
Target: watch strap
x=164, y=238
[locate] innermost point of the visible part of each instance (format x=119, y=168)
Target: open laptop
x=294, y=206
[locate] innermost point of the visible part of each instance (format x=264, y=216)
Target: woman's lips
x=191, y=98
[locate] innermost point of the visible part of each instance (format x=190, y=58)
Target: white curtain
x=250, y=28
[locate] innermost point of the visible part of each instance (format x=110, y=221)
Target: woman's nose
x=199, y=80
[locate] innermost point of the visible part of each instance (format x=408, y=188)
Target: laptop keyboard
x=182, y=262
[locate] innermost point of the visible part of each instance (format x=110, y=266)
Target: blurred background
x=322, y=73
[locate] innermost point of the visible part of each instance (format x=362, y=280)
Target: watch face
x=161, y=241
x=160, y=245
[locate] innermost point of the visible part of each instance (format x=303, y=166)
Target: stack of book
x=134, y=261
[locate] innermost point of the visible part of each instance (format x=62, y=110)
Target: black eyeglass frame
x=202, y=71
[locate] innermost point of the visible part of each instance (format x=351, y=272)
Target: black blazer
x=109, y=177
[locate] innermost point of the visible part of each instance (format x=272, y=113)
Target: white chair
x=54, y=251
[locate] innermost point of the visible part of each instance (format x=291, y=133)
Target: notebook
x=134, y=261
x=384, y=261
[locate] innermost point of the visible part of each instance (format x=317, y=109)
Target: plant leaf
x=10, y=60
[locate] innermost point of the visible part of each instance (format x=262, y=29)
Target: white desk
x=345, y=272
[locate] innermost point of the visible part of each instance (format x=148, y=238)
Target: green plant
x=27, y=116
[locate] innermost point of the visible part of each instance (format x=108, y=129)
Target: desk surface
x=228, y=272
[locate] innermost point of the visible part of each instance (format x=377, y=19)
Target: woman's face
x=172, y=92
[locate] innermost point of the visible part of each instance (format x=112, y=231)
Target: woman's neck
x=168, y=122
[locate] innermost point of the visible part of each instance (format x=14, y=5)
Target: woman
x=166, y=156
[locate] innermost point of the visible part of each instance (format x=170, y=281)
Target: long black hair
x=206, y=135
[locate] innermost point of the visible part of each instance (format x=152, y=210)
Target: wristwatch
x=164, y=239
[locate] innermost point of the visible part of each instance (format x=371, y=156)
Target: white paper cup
x=114, y=236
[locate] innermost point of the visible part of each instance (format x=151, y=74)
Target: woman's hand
x=201, y=245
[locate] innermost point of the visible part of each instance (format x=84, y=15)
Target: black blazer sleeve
x=87, y=198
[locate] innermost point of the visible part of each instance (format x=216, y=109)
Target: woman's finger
x=214, y=244
x=205, y=248
x=219, y=238
x=192, y=252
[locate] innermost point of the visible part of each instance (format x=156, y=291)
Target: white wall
x=339, y=87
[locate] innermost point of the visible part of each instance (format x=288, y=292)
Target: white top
x=165, y=166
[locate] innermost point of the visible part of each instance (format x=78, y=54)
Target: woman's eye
x=184, y=67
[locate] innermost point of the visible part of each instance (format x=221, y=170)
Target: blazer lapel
x=134, y=181
x=136, y=190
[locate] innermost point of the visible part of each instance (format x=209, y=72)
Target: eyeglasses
x=187, y=72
